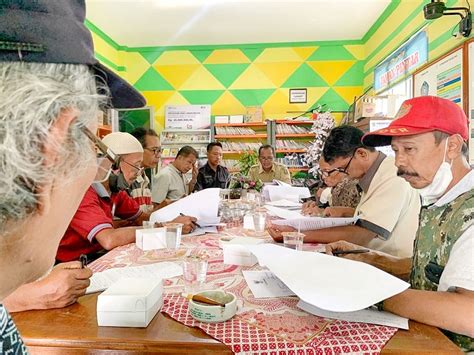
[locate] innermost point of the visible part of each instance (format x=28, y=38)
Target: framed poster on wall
x=442, y=77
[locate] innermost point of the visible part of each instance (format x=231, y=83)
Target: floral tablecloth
x=261, y=326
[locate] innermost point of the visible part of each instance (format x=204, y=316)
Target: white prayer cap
x=122, y=143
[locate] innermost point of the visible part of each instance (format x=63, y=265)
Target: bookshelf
x=290, y=140
x=174, y=139
x=237, y=138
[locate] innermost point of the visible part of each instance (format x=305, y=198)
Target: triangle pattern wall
x=232, y=79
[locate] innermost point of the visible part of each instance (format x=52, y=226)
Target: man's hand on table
x=338, y=212
x=187, y=221
x=342, y=245
x=276, y=232
x=60, y=288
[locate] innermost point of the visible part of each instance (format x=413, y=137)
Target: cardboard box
x=365, y=107
x=130, y=302
x=221, y=119
x=236, y=119
x=150, y=239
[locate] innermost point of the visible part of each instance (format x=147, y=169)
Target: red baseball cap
x=420, y=115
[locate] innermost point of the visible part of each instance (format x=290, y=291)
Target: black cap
x=53, y=31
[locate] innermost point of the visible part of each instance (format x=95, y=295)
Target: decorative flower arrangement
x=322, y=125
x=244, y=182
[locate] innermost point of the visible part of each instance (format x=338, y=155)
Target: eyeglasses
x=340, y=170
x=155, y=151
x=139, y=169
x=265, y=158
x=103, y=149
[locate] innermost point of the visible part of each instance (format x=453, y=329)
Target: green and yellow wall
x=232, y=77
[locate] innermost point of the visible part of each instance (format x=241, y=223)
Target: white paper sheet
x=201, y=231
x=369, y=315
x=264, y=284
x=280, y=183
x=100, y=281
x=274, y=193
x=284, y=203
x=311, y=223
x=202, y=205
x=283, y=213
x=326, y=281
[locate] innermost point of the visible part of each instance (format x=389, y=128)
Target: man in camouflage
x=429, y=139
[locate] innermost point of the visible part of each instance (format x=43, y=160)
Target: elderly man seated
x=429, y=138
x=93, y=229
x=267, y=170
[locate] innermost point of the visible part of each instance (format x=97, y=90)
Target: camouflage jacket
x=440, y=227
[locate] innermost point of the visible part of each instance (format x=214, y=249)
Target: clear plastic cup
x=194, y=273
x=259, y=218
x=173, y=235
x=148, y=224
x=293, y=240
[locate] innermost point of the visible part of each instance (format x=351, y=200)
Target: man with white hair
x=93, y=229
x=49, y=99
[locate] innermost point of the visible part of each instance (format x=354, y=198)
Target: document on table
x=283, y=213
x=328, y=282
x=311, y=223
x=369, y=315
x=191, y=205
x=285, y=203
x=201, y=231
x=274, y=193
x=264, y=284
x=100, y=281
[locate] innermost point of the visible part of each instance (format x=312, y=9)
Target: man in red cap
x=429, y=138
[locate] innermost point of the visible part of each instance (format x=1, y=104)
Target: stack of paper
x=191, y=205
x=100, y=281
x=274, y=193
x=283, y=213
x=326, y=281
x=312, y=223
x=369, y=315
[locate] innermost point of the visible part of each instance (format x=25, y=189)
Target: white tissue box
x=236, y=119
x=130, y=302
x=236, y=252
x=150, y=239
x=221, y=119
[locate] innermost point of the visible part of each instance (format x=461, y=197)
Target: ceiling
x=143, y=23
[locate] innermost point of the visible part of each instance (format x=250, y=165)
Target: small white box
x=236, y=119
x=236, y=252
x=150, y=239
x=221, y=119
x=130, y=302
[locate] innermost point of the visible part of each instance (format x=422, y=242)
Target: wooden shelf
x=241, y=136
x=290, y=151
x=248, y=124
x=185, y=142
x=294, y=135
x=294, y=122
x=303, y=168
x=234, y=151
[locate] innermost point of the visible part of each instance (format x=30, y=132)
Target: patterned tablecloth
x=262, y=326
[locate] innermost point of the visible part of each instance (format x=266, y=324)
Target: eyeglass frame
x=340, y=170
x=106, y=152
x=140, y=169
x=155, y=151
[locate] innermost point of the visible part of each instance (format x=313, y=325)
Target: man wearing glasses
x=93, y=229
x=268, y=170
x=140, y=189
x=389, y=207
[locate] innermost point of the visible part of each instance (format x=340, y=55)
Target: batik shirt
x=10, y=340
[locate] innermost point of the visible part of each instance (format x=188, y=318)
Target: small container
x=173, y=235
x=194, y=273
x=293, y=240
x=213, y=314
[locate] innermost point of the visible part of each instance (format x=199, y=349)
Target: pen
x=197, y=225
x=355, y=251
x=83, y=260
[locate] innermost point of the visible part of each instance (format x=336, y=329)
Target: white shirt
x=459, y=271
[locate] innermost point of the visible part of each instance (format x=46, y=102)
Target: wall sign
x=402, y=62
x=188, y=117
x=298, y=96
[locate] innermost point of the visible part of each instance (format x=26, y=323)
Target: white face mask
x=443, y=177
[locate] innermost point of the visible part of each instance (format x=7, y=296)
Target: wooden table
x=74, y=330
